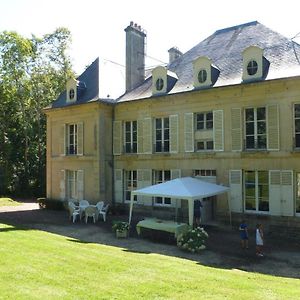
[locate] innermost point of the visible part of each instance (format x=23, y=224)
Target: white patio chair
x=103, y=211
x=83, y=204
x=73, y=211
x=99, y=206
x=90, y=211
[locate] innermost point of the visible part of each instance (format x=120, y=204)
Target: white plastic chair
x=99, y=206
x=83, y=204
x=103, y=211
x=90, y=211
x=73, y=211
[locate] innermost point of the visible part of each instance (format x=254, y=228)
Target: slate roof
x=89, y=78
x=225, y=48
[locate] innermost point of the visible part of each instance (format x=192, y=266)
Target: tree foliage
x=33, y=71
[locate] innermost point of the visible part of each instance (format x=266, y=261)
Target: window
x=72, y=139
x=161, y=176
x=205, y=173
x=159, y=84
x=257, y=191
x=72, y=189
x=162, y=135
x=71, y=94
x=204, y=145
x=202, y=76
x=204, y=121
x=255, y=124
x=252, y=67
x=131, y=137
x=298, y=194
x=130, y=184
x=297, y=125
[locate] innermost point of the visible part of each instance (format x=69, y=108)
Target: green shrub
x=193, y=240
x=51, y=204
x=120, y=226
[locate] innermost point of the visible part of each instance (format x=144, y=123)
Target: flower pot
x=122, y=234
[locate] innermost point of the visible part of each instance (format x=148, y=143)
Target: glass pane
x=249, y=128
x=250, y=142
x=134, y=147
x=158, y=123
x=167, y=175
x=209, y=124
x=127, y=148
x=166, y=122
x=209, y=116
x=250, y=204
x=210, y=145
x=263, y=177
x=249, y=114
x=200, y=125
x=166, y=146
x=250, y=190
x=250, y=176
x=200, y=117
x=297, y=125
x=158, y=135
x=127, y=126
x=263, y=205
x=261, y=127
x=168, y=201
x=128, y=136
x=134, y=125
x=158, y=200
x=166, y=134
x=297, y=140
x=261, y=113
x=158, y=147
x=200, y=145
x=261, y=142
x=297, y=110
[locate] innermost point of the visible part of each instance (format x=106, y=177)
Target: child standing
x=259, y=240
x=244, y=234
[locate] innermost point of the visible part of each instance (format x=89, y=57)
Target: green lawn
x=8, y=202
x=39, y=265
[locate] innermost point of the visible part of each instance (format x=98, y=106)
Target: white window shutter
x=236, y=189
x=144, y=180
x=174, y=134
x=189, y=132
x=139, y=136
x=80, y=140
x=236, y=129
x=62, y=184
x=117, y=138
x=287, y=194
x=80, y=184
x=273, y=127
x=63, y=139
x=119, y=186
x=147, y=136
x=274, y=192
x=218, y=130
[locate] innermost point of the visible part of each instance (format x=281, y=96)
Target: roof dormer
x=254, y=63
x=163, y=80
x=205, y=74
x=71, y=90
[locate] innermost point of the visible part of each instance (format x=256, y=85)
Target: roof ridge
x=236, y=27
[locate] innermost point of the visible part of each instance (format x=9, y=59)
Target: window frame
x=295, y=129
x=72, y=185
x=157, y=180
x=255, y=133
x=252, y=67
x=132, y=142
x=257, y=197
x=72, y=139
x=165, y=141
x=130, y=184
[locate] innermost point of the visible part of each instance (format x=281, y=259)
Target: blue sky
x=97, y=27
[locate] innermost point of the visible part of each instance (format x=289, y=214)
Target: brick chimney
x=135, y=56
x=174, y=53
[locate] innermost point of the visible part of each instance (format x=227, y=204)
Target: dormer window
x=163, y=80
x=71, y=89
x=252, y=67
x=205, y=74
x=202, y=76
x=255, y=65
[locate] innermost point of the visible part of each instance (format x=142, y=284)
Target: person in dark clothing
x=197, y=212
x=244, y=234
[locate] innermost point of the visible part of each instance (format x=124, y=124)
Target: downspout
x=113, y=158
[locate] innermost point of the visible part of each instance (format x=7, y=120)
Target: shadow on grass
x=223, y=251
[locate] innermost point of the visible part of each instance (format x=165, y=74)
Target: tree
x=33, y=71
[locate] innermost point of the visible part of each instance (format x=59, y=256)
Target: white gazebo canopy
x=187, y=188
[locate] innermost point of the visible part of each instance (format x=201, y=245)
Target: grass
x=8, y=202
x=40, y=265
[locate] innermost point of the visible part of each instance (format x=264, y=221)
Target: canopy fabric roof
x=181, y=188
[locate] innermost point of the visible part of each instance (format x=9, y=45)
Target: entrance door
x=207, y=210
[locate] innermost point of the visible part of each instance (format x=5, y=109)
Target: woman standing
x=259, y=240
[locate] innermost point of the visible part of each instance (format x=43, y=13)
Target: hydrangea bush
x=120, y=226
x=193, y=240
